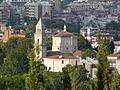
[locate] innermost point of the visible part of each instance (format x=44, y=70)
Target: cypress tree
x=103, y=73
x=35, y=79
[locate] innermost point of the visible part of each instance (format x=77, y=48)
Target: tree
x=83, y=44
x=103, y=73
x=49, y=43
x=112, y=26
x=15, y=54
x=12, y=82
x=16, y=63
x=87, y=53
x=2, y=53
x=75, y=78
x=20, y=44
x=109, y=46
x=115, y=81
x=53, y=81
x=49, y=24
x=35, y=79
x=66, y=78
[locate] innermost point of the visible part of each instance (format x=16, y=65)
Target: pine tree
x=103, y=73
x=34, y=80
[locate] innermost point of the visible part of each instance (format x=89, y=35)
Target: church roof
x=53, y=53
x=61, y=57
x=64, y=34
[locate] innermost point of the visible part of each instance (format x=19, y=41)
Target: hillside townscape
x=59, y=44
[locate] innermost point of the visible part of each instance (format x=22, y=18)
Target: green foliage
x=34, y=79
x=115, y=81
x=60, y=23
x=88, y=53
x=68, y=54
x=113, y=26
x=83, y=44
x=20, y=44
x=103, y=73
x=75, y=78
x=16, y=63
x=12, y=82
x=66, y=78
x=53, y=81
x=109, y=45
x=2, y=53
x=49, y=43
x=16, y=56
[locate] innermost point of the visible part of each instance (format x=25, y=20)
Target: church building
x=63, y=42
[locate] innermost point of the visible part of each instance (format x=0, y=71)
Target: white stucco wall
x=57, y=65
x=64, y=44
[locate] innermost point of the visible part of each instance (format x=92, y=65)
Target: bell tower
x=40, y=39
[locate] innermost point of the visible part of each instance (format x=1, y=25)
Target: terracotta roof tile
x=64, y=34
x=61, y=57
x=114, y=55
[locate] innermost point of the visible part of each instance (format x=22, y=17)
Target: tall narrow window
x=38, y=41
x=62, y=62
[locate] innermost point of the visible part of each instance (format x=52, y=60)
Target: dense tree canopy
x=75, y=78
x=16, y=63
x=83, y=43
x=15, y=56
x=12, y=82
x=113, y=26
x=60, y=23
x=88, y=53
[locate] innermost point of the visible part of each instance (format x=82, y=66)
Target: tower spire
x=39, y=26
x=40, y=39
x=65, y=28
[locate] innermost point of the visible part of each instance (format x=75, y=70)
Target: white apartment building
x=115, y=61
x=16, y=2
x=78, y=6
x=38, y=9
x=33, y=10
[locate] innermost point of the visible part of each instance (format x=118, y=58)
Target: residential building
x=17, y=3
x=11, y=33
x=33, y=10
x=117, y=47
x=114, y=61
x=90, y=65
x=4, y=13
x=57, y=6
